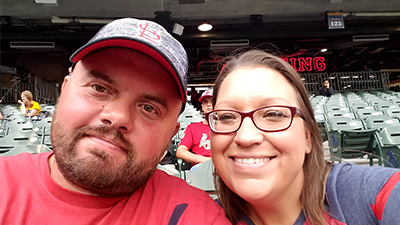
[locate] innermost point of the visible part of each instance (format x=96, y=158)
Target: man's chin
x=101, y=174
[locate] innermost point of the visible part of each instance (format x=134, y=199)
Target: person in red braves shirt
x=197, y=136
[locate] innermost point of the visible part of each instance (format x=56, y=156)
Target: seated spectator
x=325, y=90
x=197, y=136
x=28, y=106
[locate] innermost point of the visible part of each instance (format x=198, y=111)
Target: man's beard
x=99, y=172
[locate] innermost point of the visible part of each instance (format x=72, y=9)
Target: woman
x=28, y=106
x=267, y=151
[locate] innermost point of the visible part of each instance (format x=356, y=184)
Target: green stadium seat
x=340, y=113
x=33, y=149
x=380, y=121
x=343, y=123
x=202, y=177
x=393, y=113
x=352, y=144
x=358, y=106
x=384, y=105
x=364, y=113
x=348, y=139
x=19, y=138
x=390, y=135
x=389, y=143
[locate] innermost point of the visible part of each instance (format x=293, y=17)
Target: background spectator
x=197, y=136
x=28, y=106
x=326, y=89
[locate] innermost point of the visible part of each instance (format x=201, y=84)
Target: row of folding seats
x=353, y=106
x=360, y=124
x=19, y=133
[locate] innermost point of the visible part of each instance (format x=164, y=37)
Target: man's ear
x=66, y=79
x=177, y=126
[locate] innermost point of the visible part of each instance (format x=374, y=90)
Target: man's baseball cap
x=207, y=93
x=147, y=37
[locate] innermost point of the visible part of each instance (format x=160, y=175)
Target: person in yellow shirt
x=28, y=106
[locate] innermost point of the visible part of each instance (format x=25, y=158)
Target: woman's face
x=24, y=99
x=262, y=168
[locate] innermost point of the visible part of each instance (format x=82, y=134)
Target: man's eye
x=99, y=88
x=148, y=108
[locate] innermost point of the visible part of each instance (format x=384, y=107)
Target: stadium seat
x=390, y=135
x=352, y=144
x=19, y=138
x=395, y=101
x=348, y=139
x=384, y=105
x=340, y=113
x=42, y=130
x=20, y=127
x=360, y=105
x=202, y=177
x=329, y=108
x=389, y=143
x=343, y=123
x=33, y=149
x=380, y=121
x=393, y=113
x=364, y=113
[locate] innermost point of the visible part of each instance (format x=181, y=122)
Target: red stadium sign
x=307, y=64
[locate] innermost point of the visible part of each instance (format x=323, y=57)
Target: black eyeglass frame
x=294, y=111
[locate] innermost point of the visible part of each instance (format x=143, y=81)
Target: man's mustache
x=101, y=131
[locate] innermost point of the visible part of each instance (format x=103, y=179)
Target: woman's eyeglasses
x=271, y=118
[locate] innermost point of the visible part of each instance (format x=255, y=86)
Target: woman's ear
x=308, y=141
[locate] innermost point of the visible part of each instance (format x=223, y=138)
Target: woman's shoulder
x=342, y=172
x=363, y=189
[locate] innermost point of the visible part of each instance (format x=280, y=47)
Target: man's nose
x=118, y=115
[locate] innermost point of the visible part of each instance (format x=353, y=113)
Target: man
x=325, y=90
x=197, y=136
x=116, y=115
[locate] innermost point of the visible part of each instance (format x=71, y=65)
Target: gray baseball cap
x=147, y=37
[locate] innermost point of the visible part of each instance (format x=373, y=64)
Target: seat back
x=364, y=113
x=339, y=113
x=202, y=177
x=380, y=121
x=393, y=112
x=357, y=143
x=343, y=123
x=33, y=149
x=390, y=135
x=19, y=138
x=383, y=106
x=358, y=106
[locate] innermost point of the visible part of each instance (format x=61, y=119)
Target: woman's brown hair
x=315, y=167
x=28, y=95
